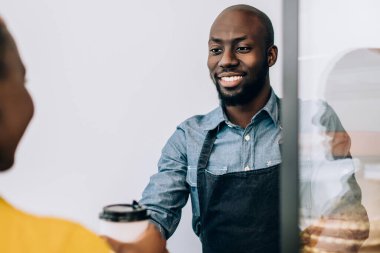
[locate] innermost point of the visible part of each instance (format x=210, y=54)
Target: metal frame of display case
x=289, y=183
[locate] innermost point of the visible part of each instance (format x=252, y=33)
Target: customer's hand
x=151, y=241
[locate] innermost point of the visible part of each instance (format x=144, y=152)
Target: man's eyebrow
x=234, y=40
x=213, y=39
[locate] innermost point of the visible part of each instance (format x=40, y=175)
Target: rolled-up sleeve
x=167, y=191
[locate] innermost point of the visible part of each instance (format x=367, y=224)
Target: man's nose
x=228, y=59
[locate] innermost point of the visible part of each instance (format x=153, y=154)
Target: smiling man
x=228, y=160
x=216, y=158
x=241, y=50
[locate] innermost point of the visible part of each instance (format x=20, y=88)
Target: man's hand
x=151, y=241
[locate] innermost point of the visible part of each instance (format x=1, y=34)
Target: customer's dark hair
x=2, y=52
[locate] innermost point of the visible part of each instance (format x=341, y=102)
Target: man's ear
x=272, y=55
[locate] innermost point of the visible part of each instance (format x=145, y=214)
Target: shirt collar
x=272, y=107
x=217, y=116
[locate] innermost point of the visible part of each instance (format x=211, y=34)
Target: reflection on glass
x=332, y=217
x=340, y=159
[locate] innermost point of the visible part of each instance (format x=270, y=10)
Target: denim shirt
x=252, y=148
x=235, y=149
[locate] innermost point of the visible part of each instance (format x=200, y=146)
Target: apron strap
x=207, y=148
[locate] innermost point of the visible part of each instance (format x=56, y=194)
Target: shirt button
x=247, y=137
x=247, y=168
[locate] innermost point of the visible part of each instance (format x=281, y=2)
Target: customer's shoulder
x=62, y=235
x=73, y=236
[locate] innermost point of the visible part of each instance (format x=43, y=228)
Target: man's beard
x=248, y=92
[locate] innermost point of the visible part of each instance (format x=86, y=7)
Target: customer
x=21, y=232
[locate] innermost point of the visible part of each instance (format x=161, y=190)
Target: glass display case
x=339, y=126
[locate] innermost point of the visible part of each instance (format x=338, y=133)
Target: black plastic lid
x=124, y=212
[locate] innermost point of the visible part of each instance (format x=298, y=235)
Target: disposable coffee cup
x=123, y=222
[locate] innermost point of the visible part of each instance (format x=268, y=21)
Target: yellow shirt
x=24, y=233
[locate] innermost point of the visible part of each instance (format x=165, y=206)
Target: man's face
x=237, y=58
x=16, y=107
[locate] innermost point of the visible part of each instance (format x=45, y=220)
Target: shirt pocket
x=191, y=176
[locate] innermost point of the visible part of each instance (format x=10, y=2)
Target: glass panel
x=339, y=136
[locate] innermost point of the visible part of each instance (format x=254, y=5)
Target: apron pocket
x=216, y=170
x=191, y=176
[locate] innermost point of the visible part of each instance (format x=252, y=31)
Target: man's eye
x=243, y=49
x=215, y=51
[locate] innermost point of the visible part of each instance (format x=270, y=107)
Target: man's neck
x=241, y=115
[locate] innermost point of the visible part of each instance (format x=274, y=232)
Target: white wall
x=110, y=81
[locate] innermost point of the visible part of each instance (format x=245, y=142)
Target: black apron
x=239, y=211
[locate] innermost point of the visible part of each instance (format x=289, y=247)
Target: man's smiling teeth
x=231, y=78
